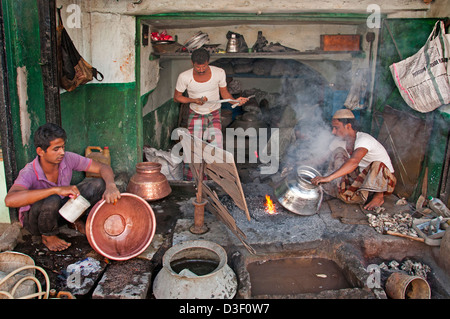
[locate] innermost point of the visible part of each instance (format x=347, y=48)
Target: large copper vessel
x=148, y=182
x=122, y=230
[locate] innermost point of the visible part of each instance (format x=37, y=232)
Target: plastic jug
x=438, y=206
x=98, y=154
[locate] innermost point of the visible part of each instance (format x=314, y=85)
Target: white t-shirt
x=196, y=90
x=376, y=151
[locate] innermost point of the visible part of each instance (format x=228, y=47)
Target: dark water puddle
x=295, y=276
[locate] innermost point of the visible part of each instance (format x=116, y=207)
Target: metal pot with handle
x=299, y=195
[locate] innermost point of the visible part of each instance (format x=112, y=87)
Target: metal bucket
x=402, y=286
x=299, y=195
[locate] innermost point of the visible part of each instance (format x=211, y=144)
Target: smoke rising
x=305, y=96
x=313, y=137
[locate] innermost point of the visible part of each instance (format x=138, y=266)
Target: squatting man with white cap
x=359, y=165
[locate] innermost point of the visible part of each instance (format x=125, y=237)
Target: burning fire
x=270, y=206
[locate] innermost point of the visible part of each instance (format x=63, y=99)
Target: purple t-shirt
x=32, y=176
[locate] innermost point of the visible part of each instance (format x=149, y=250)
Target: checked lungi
x=354, y=188
x=207, y=127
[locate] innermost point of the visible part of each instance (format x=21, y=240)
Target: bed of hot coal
x=255, y=196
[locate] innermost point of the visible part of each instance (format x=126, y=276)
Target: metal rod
x=199, y=226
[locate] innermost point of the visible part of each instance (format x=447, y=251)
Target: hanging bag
x=422, y=78
x=446, y=40
x=73, y=69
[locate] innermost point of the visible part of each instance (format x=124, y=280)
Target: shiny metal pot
x=299, y=195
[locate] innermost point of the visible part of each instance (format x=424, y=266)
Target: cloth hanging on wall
x=72, y=68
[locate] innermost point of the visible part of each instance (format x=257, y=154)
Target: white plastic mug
x=74, y=208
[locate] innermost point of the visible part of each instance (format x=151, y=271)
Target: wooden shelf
x=309, y=55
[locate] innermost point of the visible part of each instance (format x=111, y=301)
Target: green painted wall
x=159, y=124
x=104, y=115
x=92, y=115
x=410, y=35
x=23, y=51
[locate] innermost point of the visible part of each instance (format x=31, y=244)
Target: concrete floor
x=285, y=232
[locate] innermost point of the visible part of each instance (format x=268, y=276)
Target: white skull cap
x=343, y=114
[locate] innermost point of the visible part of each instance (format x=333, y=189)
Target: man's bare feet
x=377, y=201
x=54, y=243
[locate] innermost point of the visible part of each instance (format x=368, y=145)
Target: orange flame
x=270, y=206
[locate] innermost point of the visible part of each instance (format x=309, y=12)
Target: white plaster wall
x=107, y=32
x=22, y=92
x=104, y=39
x=149, y=69
x=113, y=46
x=439, y=9
x=410, y=7
x=79, y=31
x=303, y=37
x=164, y=88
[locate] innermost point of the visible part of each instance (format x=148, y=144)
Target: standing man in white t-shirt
x=365, y=166
x=204, y=84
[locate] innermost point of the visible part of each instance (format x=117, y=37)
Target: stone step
x=129, y=279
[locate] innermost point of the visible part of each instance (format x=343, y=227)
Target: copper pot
x=148, y=182
x=123, y=230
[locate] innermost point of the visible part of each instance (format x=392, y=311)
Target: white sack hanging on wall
x=422, y=78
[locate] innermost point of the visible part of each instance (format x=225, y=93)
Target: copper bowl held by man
x=122, y=230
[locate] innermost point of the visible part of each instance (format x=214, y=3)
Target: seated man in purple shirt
x=43, y=186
